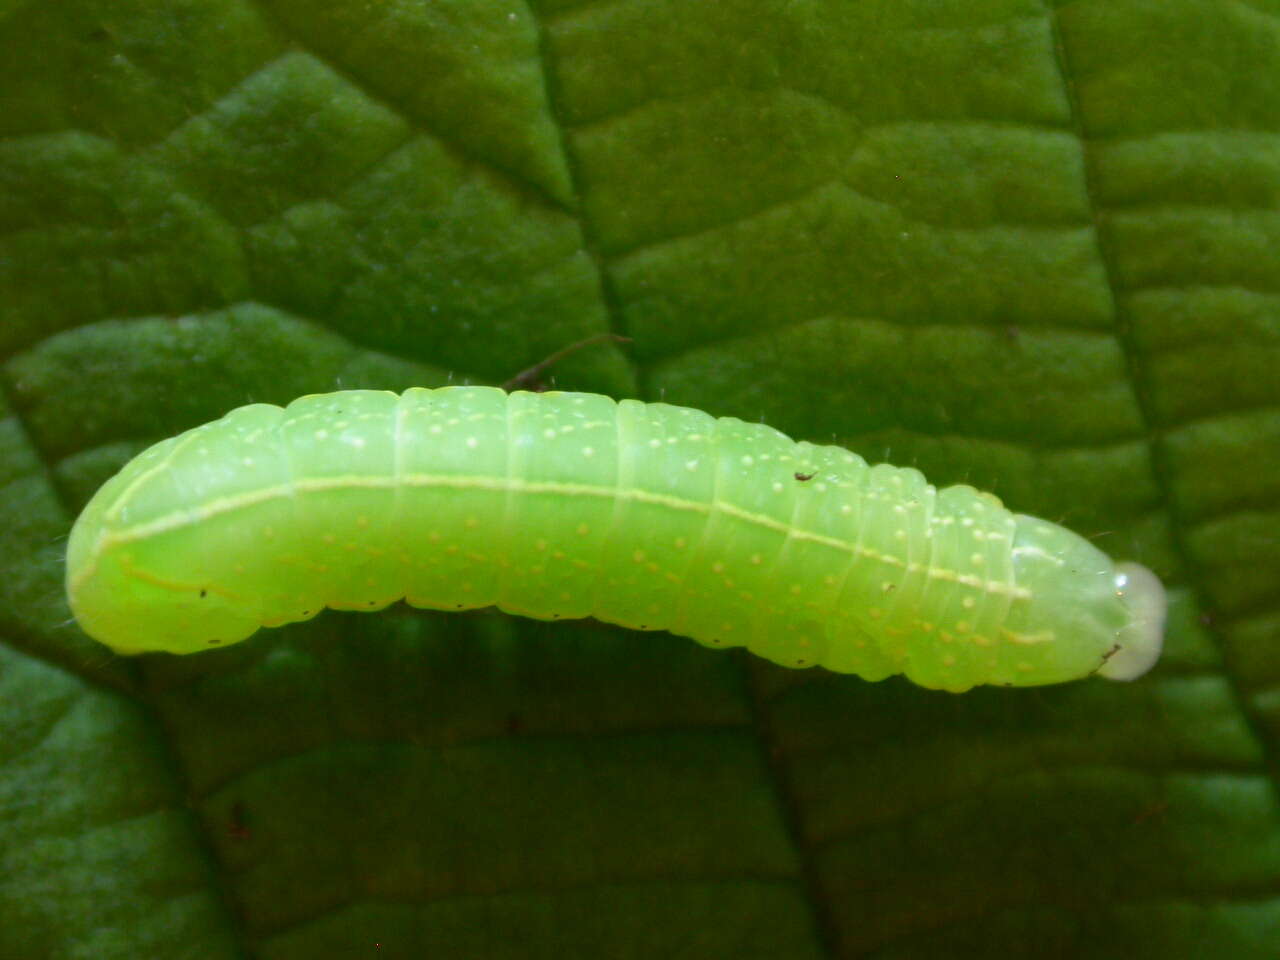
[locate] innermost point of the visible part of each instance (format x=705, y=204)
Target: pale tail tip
x=1139, y=642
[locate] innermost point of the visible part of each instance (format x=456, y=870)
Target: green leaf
x=1031, y=246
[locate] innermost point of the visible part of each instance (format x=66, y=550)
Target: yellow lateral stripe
x=222, y=505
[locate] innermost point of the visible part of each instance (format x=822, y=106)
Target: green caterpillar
x=563, y=505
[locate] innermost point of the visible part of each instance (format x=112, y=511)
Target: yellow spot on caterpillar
x=795, y=589
x=583, y=530
x=875, y=613
x=963, y=626
x=757, y=559
x=472, y=522
x=362, y=521
x=717, y=567
x=680, y=543
x=1028, y=639
x=968, y=603
x=434, y=536
x=638, y=556
x=329, y=538
x=540, y=545
x=976, y=559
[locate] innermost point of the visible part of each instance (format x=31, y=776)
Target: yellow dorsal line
x=223, y=505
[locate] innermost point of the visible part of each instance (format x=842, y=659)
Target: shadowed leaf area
x=1031, y=246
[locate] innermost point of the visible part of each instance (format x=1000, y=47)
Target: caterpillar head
x=1139, y=641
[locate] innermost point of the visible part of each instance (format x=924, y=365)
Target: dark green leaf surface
x=1028, y=245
